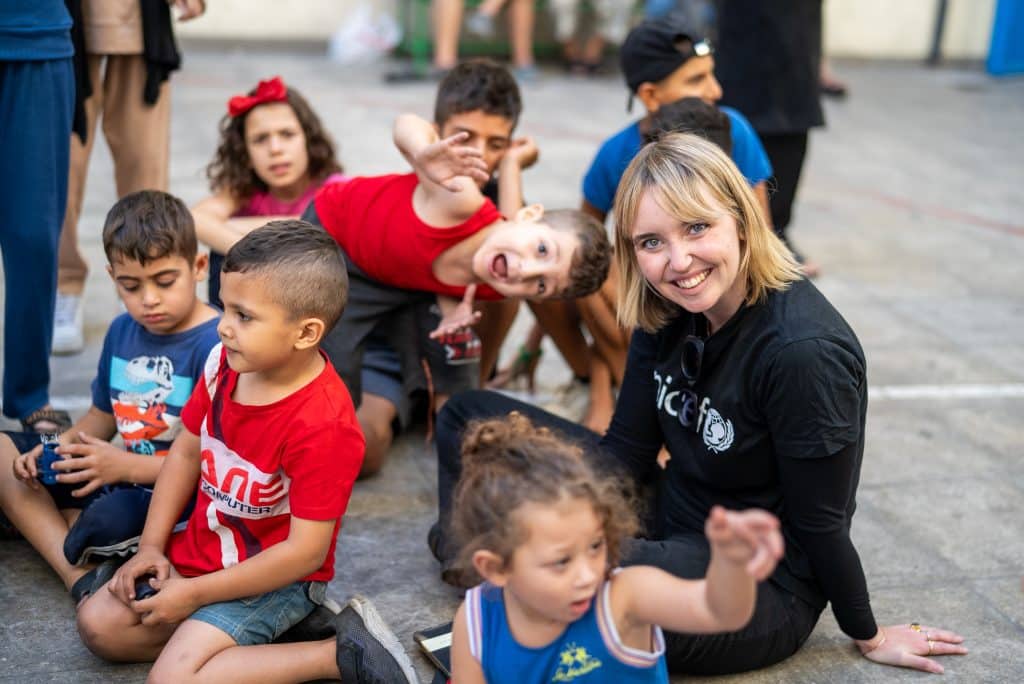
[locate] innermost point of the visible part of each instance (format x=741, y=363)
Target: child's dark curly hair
x=507, y=463
x=231, y=170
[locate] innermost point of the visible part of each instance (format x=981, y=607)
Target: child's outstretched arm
x=447, y=170
x=745, y=547
x=215, y=226
x=521, y=155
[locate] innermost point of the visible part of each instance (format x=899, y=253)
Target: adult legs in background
x=520, y=28
x=36, y=105
x=446, y=16
x=786, y=151
x=138, y=137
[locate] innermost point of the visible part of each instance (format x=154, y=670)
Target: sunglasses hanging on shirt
x=690, y=360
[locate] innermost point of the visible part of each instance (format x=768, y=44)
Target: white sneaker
x=481, y=25
x=67, y=325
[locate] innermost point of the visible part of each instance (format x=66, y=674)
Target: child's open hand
x=750, y=537
x=93, y=461
x=462, y=316
x=523, y=151
x=149, y=560
x=25, y=468
x=445, y=160
x=173, y=602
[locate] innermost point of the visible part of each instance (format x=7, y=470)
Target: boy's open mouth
x=499, y=266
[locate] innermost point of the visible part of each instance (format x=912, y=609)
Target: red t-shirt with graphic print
x=261, y=465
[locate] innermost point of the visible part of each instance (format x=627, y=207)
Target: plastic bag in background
x=366, y=34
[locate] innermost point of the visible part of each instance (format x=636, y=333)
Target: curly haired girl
x=544, y=533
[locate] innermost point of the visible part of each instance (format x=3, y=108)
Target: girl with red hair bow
x=273, y=155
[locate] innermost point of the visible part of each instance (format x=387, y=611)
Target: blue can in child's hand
x=44, y=467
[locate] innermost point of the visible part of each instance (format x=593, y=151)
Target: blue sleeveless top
x=588, y=651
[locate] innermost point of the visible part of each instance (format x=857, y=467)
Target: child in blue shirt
x=664, y=62
x=151, y=358
x=544, y=532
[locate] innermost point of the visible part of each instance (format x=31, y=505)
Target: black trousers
x=781, y=622
x=786, y=151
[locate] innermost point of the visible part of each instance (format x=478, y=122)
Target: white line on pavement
x=880, y=392
x=999, y=391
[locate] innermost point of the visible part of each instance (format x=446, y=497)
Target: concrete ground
x=912, y=203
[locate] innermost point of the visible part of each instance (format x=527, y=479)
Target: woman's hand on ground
x=911, y=645
x=25, y=468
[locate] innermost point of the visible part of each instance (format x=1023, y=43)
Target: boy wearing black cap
x=663, y=61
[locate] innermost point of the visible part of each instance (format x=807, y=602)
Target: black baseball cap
x=656, y=48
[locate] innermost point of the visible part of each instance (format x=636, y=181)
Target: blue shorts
x=261, y=619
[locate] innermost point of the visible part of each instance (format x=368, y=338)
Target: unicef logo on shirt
x=718, y=434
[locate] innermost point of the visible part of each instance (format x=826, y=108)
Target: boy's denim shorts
x=261, y=619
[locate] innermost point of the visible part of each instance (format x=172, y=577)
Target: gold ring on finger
x=916, y=626
x=931, y=644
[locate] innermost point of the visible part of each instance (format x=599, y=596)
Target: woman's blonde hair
x=688, y=176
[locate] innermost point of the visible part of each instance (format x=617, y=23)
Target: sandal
x=524, y=366
x=61, y=421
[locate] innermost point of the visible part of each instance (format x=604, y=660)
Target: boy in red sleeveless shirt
x=272, y=439
x=433, y=233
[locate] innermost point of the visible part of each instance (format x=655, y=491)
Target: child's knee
x=102, y=620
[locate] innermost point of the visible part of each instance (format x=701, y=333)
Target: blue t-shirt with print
x=144, y=379
x=602, y=179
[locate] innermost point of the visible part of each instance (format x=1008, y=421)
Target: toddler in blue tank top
x=543, y=532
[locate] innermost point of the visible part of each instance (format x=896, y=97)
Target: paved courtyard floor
x=912, y=203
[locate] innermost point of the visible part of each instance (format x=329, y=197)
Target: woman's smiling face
x=693, y=264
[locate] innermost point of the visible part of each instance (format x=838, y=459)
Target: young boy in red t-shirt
x=272, y=439
x=432, y=233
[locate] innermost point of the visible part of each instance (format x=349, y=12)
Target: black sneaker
x=316, y=626
x=368, y=652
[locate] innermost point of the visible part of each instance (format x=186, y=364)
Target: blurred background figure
x=583, y=53
x=447, y=22
x=769, y=65
x=37, y=93
x=125, y=52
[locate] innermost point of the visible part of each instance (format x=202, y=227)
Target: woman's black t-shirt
x=781, y=400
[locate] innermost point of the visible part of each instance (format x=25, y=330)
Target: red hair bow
x=272, y=90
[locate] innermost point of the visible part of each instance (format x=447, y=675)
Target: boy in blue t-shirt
x=151, y=358
x=664, y=62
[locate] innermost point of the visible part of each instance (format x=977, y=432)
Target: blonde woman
x=756, y=386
